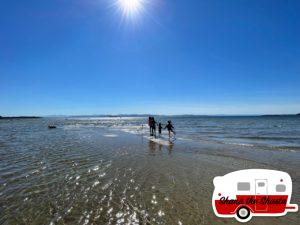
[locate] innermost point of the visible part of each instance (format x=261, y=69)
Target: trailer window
x=280, y=188
x=243, y=186
x=261, y=184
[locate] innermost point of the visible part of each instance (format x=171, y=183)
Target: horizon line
x=143, y=114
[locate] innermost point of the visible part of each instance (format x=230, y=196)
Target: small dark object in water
x=51, y=126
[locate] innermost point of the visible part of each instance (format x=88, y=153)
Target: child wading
x=170, y=128
x=159, y=129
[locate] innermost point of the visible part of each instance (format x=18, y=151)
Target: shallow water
x=88, y=171
x=270, y=132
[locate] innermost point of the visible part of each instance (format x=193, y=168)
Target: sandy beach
x=105, y=176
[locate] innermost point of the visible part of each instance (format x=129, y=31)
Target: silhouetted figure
x=153, y=127
x=149, y=123
x=170, y=128
x=159, y=129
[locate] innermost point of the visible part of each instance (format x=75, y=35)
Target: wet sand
x=100, y=176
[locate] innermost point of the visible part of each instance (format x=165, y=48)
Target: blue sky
x=174, y=57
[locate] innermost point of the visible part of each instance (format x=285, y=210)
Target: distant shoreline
x=282, y=115
x=179, y=115
x=19, y=117
x=146, y=115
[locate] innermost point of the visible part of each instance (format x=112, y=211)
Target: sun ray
x=131, y=9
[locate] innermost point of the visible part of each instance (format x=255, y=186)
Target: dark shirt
x=169, y=126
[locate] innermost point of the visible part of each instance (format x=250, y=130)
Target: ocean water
x=267, y=132
x=101, y=170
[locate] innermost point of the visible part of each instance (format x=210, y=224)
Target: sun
x=131, y=7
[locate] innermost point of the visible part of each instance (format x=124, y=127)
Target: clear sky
x=169, y=57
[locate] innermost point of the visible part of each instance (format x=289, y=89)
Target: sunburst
x=131, y=9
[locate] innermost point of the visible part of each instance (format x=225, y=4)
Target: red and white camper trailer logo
x=254, y=192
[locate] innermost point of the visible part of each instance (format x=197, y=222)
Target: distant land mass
x=18, y=117
x=179, y=115
x=141, y=115
x=283, y=115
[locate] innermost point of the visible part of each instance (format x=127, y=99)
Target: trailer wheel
x=243, y=213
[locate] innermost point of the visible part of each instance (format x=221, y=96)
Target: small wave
x=184, y=139
x=268, y=138
x=240, y=144
x=277, y=148
x=287, y=148
x=110, y=135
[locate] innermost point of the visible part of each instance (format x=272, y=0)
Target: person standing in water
x=170, y=128
x=153, y=127
x=159, y=129
x=150, y=125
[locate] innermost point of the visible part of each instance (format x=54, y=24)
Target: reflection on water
x=152, y=147
x=157, y=148
x=81, y=176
